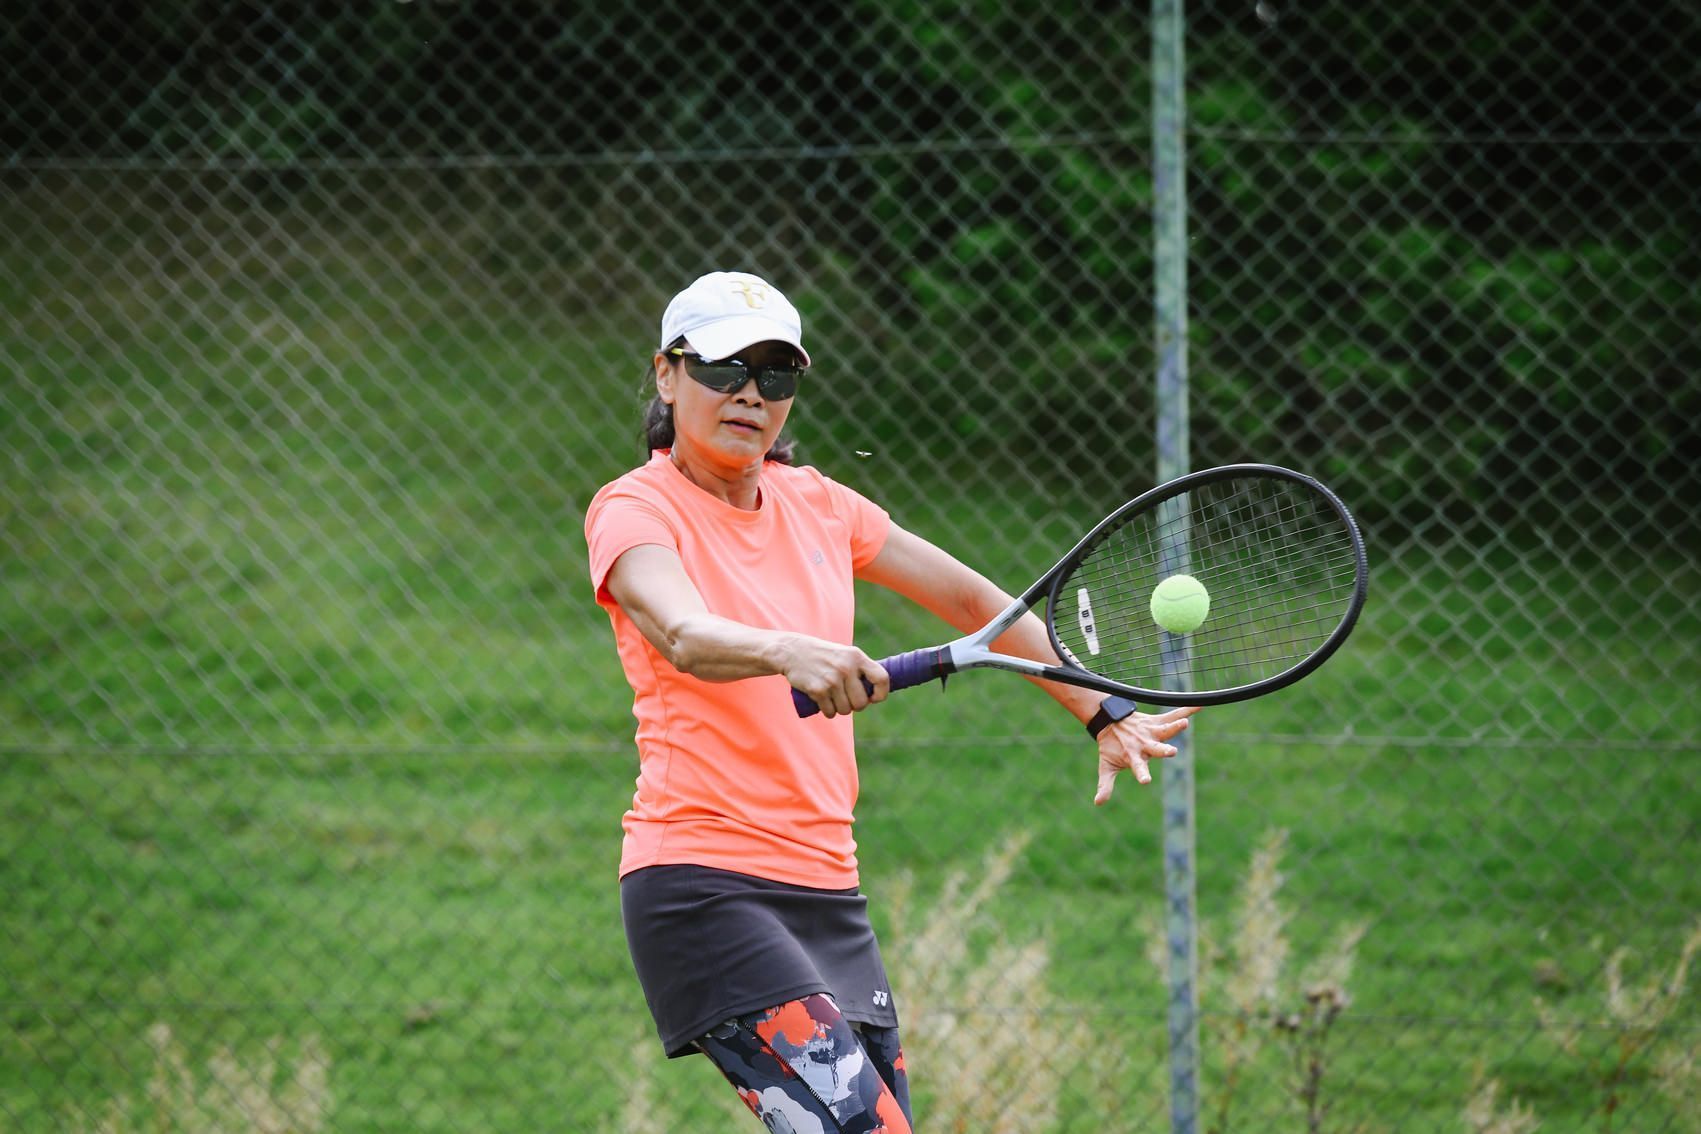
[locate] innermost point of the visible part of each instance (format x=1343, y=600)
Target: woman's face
x=732, y=429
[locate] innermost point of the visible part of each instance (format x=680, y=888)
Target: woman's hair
x=658, y=422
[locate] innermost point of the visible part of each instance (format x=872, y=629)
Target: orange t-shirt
x=728, y=775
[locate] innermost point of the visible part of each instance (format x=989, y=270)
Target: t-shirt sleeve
x=867, y=522
x=617, y=521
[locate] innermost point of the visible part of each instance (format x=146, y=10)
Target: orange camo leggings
x=801, y=1066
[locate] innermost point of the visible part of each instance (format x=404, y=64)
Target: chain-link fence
x=322, y=323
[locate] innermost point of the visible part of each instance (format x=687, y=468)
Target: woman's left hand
x=1132, y=741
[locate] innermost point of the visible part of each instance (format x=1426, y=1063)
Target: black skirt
x=713, y=944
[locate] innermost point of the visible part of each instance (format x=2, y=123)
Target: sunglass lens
x=778, y=382
x=721, y=377
x=773, y=382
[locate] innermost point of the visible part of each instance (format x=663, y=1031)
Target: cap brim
x=726, y=337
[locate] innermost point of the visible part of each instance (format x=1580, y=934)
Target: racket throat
x=945, y=664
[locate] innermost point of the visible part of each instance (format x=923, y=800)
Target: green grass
x=448, y=923
x=308, y=726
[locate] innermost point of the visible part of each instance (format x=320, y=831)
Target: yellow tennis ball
x=1180, y=604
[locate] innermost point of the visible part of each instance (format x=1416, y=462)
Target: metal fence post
x=1170, y=294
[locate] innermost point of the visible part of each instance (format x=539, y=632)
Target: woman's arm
x=651, y=586
x=935, y=579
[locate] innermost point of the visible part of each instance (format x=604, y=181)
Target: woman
x=727, y=573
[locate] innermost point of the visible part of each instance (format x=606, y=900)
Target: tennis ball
x=1180, y=603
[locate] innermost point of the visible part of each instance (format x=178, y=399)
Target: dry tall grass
x=641, y=1115
x=1256, y=957
x=1677, y=1074
x=992, y=1044
x=1269, y=1005
x=983, y=1026
x=1634, y=1019
x=1484, y=1115
x=233, y=1097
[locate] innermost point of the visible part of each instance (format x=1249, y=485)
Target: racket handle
x=905, y=670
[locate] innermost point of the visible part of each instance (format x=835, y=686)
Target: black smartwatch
x=1111, y=709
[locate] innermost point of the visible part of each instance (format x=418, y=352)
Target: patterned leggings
x=804, y=1069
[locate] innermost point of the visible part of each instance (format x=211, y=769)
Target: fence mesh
x=322, y=323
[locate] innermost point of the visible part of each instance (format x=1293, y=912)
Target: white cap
x=723, y=312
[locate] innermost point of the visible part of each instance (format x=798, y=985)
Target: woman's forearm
x=978, y=601
x=713, y=648
x=1029, y=639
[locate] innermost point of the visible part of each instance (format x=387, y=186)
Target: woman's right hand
x=833, y=675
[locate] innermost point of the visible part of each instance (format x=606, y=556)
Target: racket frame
x=974, y=651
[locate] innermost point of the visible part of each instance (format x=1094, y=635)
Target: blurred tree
x=1473, y=216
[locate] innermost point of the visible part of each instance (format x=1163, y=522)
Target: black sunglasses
x=775, y=383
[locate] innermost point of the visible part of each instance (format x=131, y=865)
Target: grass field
x=309, y=729
x=446, y=921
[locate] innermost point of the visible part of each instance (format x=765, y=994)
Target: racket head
x=1282, y=559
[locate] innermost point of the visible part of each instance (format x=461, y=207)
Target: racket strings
x=1277, y=561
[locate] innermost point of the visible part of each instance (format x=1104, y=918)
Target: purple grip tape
x=905, y=670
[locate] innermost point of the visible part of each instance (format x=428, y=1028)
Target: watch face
x=1111, y=709
x=1117, y=707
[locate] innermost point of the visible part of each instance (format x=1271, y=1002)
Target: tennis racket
x=1278, y=554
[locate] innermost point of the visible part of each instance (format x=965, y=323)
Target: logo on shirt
x=882, y=998
x=816, y=557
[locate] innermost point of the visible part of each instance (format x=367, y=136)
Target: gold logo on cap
x=755, y=295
